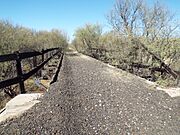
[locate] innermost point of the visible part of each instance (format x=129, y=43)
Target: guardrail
x=18, y=57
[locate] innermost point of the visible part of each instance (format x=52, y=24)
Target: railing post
x=20, y=74
x=34, y=66
x=60, y=51
x=42, y=60
x=34, y=61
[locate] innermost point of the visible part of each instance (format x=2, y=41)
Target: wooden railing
x=18, y=57
x=162, y=68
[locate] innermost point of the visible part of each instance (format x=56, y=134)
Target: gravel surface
x=91, y=97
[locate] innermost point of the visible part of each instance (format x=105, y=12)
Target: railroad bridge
x=90, y=97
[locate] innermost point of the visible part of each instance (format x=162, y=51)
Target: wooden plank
x=7, y=57
x=29, y=54
x=48, y=50
x=9, y=82
x=10, y=57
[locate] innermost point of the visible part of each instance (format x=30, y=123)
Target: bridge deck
x=93, y=98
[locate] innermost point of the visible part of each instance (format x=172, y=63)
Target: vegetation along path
x=91, y=97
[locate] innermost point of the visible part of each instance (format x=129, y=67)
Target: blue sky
x=67, y=15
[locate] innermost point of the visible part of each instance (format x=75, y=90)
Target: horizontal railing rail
x=25, y=55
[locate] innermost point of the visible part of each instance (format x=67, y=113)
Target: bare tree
x=133, y=18
x=146, y=28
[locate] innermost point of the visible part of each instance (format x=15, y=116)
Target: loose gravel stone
x=92, y=98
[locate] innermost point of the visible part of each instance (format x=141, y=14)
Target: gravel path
x=94, y=98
